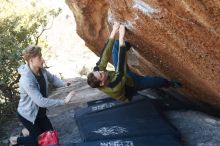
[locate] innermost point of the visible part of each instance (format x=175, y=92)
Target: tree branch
x=44, y=29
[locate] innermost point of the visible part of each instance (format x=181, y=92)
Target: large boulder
x=175, y=39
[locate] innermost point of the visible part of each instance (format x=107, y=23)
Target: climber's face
x=102, y=76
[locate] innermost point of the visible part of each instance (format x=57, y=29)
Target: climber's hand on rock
x=114, y=29
x=121, y=35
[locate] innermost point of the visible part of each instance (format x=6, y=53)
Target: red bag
x=49, y=138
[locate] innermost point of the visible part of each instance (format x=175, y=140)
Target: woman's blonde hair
x=31, y=51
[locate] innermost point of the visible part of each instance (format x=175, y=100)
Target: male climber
x=121, y=84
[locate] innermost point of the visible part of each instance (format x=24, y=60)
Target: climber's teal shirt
x=118, y=82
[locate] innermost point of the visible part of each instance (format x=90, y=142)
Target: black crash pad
x=134, y=119
x=164, y=140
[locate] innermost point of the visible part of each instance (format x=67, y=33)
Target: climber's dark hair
x=93, y=81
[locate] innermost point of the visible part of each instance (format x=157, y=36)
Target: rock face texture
x=175, y=39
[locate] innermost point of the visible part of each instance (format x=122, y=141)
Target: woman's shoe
x=25, y=132
x=13, y=140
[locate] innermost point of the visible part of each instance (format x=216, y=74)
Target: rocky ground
x=197, y=128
